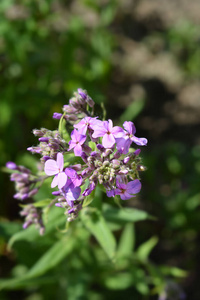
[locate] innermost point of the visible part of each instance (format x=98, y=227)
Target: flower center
x=123, y=191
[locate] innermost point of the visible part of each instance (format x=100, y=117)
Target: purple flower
x=127, y=191
x=89, y=190
x=53, y=167
x=57, y=116
x=76, y=142
x=125, y=142
x=110, y=193
x=108, y=132
x=75, y=178
x=85, y=97
x=70, y=192
x=82, y=94
x=11, y=165
x=85, y=124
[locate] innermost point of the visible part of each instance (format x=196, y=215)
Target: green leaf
x=42, y=203
x=48, y=261
x=7, y=229
x=145, y=249
x=125, y=214
x=52, y=257
x=126, y=242
x=173, y=271
x=119, y=281
x=96, y=224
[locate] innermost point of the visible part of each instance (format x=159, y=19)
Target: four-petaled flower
x=108, y=132
x=125, y=142
x=86, y=123
x=127, y=191
x=76, y=142
x=55, y=167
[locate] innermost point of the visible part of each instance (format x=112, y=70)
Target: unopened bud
x=115, y=163
x=141, y=168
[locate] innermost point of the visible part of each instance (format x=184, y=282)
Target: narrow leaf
x=51, y=258
x=125, y=214
x=96, y=224
x=126, y=242
x=119, y=281
x=145, y=249
x=48, y=261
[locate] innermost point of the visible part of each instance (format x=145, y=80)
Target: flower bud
x=57, y=116
x=11, y=165
x=126, y=159
x=115, y=163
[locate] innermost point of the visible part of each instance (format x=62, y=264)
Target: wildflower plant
x=84, y=153
x=92, y=168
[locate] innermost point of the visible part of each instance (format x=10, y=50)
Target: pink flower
x=76, y=142
x=126, y=140
x=108, y=132
x=85, y=124
x=53, y=167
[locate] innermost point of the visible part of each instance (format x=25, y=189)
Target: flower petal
x=81, y=126
x=134, y=187
x=110, y=125
x=60, y=161
x=139, y=141
x=99, y=131
x=75, y=178
x=70, y=172
x=62, y=179
x=72, y=144
x=82, y=139
x=54, y=181
x=73, y=194
x=130, y=127
x=51, y=167
x=123, y=144
x=110, y=193
x=126, y=196
x=118, y=132
x=108, y=140
x=77, y=150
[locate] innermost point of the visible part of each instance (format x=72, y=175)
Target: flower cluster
x=50, y=143
x=25, y=181
x=33, y=216
x=101, y=155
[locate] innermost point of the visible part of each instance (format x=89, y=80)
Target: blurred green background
x=142, y=59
